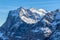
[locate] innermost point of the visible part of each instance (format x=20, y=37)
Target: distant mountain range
x=31, y=24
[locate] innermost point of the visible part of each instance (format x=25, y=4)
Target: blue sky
x=7, y=5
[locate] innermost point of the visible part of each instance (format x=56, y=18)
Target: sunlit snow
x=24, y=15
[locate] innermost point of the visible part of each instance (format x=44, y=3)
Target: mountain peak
x=31, y=24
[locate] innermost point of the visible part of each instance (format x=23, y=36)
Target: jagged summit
x=32, y=15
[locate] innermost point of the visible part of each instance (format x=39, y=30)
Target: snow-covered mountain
x=31, y=24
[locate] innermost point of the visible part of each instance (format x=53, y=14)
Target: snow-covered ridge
x=33, y=17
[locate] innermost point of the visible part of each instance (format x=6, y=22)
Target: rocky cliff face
x=31, y=24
